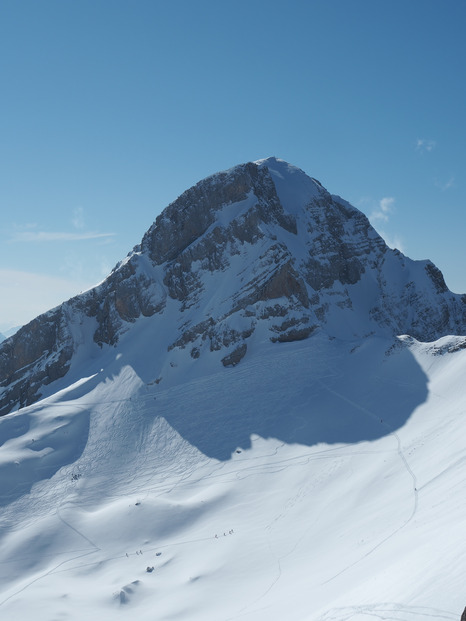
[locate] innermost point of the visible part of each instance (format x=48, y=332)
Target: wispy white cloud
x=424, y=145
x=47, y=236
x=381, y=215
x=445, y=185
x=385, y=208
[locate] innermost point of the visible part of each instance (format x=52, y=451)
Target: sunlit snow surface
x=320, y=481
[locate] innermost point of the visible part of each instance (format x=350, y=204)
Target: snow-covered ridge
x=230, y=426
x=258, y=253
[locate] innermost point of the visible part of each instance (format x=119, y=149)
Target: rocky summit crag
x=261, y=251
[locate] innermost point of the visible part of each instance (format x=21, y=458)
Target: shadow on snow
x=304, y=394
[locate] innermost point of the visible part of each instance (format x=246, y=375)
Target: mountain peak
x=256, y=255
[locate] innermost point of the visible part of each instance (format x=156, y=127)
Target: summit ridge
x=258, y=253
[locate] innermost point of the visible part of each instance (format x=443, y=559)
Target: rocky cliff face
x=257, y=252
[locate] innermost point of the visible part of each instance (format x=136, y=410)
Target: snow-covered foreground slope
x=319, y=480
x=229, y=428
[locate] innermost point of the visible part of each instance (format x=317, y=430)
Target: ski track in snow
x=330, y=373
x=406, y=466
x=390, y=611
x=79, y=533
x=179, y=478
x=185, y=482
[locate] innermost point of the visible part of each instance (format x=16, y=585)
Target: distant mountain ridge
x=258, y=252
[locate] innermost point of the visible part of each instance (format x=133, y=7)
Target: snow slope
x=260, y=252
x=231, y=427
x=322, y=482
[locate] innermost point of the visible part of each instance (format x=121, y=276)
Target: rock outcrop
x=259, y=251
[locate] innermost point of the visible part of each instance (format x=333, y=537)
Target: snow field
x=331, y=473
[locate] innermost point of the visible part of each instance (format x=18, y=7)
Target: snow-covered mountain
x=261, y=251
x=257, y=415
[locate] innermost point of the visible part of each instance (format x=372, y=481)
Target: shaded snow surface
x=317, y=481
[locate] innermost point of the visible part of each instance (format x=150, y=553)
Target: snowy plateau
x=259, y=415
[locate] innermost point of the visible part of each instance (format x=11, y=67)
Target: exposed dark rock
x=228, y=256
x=292, y=329
x=41, y=351
x=285, y=283
x=294, y=334
x=235, y=357
x=190, y=335
x=437, y=277
x=189, y=217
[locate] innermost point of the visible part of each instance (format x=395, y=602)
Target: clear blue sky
x=110, y=109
